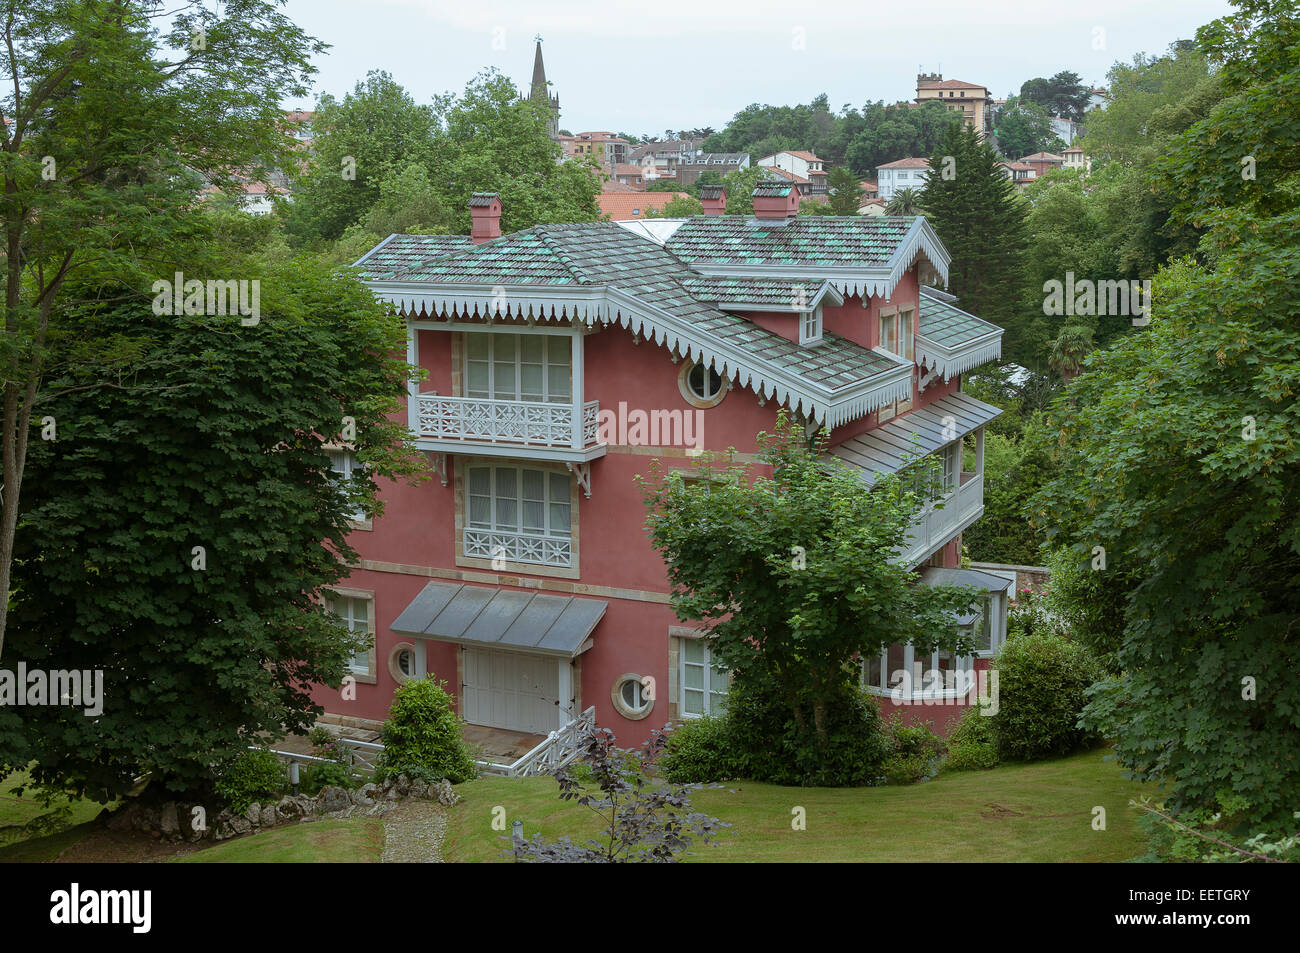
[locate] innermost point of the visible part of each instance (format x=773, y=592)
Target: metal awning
x=491, y=617
x=986, y=582
x=889, y=448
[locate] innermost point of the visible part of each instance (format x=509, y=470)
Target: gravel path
x=413, y=832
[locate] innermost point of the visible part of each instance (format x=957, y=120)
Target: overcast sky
x=643, y=66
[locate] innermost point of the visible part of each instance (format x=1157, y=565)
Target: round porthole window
x=701, y=386
x=633, y=695
x=401, y=662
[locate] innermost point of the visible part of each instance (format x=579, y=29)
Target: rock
x=254, y=813
x=169, y=820
x=123, y=819
x=444, y=793
x=268, y=816
x=368, y=790
x=403, y=785
x=333, y=798
x=419, y=789
x=240, y=825
x=360, y=798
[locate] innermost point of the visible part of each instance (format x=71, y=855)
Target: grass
x=20, y=810
x=1031, y=812
x=350, y=840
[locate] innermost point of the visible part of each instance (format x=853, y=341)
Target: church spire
x=540, y=93
x=539, y=72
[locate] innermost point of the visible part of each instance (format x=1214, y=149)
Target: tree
x=1069, y=349
x=1023, y=127
x=374, y=132
x=846, y=194
x=489, y=140
x=180, y=533
x=110, y=128
x=975, y=211
x=683, y=206
x=740, y=184
x=1179, y=466
x=1063, y=95
x=904, y=202
x=795, y=576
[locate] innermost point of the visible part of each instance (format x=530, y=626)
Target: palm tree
x=1069, y=349
x=904, y=202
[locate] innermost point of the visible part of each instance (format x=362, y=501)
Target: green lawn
x=350, y=840
x=1032, y=812
x=16, y=810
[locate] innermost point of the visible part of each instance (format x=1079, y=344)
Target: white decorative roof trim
x=950, y=361
x=825, y=290
x=613, y=306
x=558, y=303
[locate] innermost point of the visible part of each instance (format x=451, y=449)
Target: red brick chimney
x=775, y=200
x=714, y=199
x=485, y=211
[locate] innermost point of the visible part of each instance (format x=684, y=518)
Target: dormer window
x=810, y=326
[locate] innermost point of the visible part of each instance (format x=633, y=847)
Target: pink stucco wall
x=417, y=530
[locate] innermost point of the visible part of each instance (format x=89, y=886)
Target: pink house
x=560, y=360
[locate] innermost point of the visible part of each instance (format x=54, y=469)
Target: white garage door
x=511, y=690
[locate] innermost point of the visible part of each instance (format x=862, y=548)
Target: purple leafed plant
x=646, y=820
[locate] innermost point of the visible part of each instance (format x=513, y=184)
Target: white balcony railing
x=937, y=526
x=518, y=422
x=519, y=547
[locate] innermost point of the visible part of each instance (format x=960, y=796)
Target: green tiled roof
x=949, y=326
x=594, y=254
x=730, y=290
x=816, y=240
x=399, y=254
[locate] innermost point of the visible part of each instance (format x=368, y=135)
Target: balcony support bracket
x=438, y=464
x=582, y=472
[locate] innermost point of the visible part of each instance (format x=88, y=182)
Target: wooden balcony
x=960, y=507
x=566, y=432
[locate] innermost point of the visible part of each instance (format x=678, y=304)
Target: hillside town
x=397, y=474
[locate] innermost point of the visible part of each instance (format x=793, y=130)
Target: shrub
x=914, y=751
x=319, y=736
x=699, y=751
x=644, y=821
x=249, y=778
x=769, y=744
x=422, y=736
x=317, y=776
x=971, y=745
x=1042, y=685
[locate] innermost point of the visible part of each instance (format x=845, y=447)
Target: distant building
x=1021, y=173
x=623, y=206
x=871, y=207
x=540, y=93
x=1043, y=162
x=1075, y=159
x=626, y=173
x=1067, y=130
x=606, y=148
x=869, y=188
x=721, y=162
x=662, y=159
x=808, y=169
x=1096, y=99
x=970, y=99
x=909, y=173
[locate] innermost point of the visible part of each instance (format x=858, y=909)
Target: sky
x=644, y=66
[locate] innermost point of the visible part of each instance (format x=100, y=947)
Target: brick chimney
x=776, y=200
x=485, y=211
x=714, y=199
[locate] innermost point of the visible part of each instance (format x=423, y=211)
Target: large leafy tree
x=846, y=193
x=981, y=221
x=372, y=133
x=1179, y=458
x=795, y=576
x=114, y=115
x=1060, y=95
x=179, y=532
x=1024, y=127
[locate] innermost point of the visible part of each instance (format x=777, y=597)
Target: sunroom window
x=535, y=367
x=519, y=514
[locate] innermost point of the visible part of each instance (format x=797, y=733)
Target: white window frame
x=888, y=318
x=505, y=375
x=342, y=602
x=560, y=551
x=709, y=691
x=810, y=326
x=345, y=463
x=890, y=686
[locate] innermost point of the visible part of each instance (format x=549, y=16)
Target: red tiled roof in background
x=909, y=163
x=619, y=206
